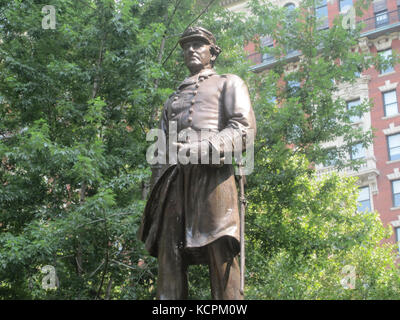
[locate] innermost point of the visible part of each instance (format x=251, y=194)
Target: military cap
x=199, y=33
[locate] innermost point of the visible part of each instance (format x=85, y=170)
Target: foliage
x=76, y=104
x=303, y=229
x=302, y=243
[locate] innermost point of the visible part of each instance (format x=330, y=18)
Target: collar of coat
x=193, y=79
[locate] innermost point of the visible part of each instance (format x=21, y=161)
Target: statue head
x=199, y=49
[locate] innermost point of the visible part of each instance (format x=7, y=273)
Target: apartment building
x=379, y=176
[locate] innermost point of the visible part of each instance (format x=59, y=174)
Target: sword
x=242, y=200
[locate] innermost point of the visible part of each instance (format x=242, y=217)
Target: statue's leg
x=224, y=273
x=172, y=282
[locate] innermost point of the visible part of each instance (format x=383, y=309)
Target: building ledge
x=372, y=33
x=367, y=168
x=391, y=130
x=391, y=117
x=393, y=161
x=396, y=223
x=357, y=123
x=294, y=56
x=386, y=74
x=363, y=172
x=394, y=175
x=381, y=31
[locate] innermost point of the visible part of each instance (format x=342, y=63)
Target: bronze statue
x=191, y=216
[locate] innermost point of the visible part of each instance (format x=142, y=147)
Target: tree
x=303, y=230
x=306, y=235
x=76, y=104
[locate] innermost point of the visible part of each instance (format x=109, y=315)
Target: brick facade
x=379, y=171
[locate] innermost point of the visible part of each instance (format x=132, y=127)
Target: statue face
x=197, y=55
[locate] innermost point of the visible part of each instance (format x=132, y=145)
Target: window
x=345, y=5
x=271, y=100
x=321, y=12
x=267, y=56
x=293, y=84
x=394, y=146
x=381, y=13
x=332, y=157
x=357, y=152
x=352, y=104
x=381, y=18
x=290, y=18
x=386, y=55
x=295, y=134
x=397, y=231
x=293, y=88
x=390, y=103
x=364, y=203
x=398, y=8
x=396, y=193
x=266, y=41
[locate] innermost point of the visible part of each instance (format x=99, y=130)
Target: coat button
x=173, y=114
x=190, y=119
x=195, y=92
x=176, y=98
x=190, y=110
x=197, y=85
x=193, y=101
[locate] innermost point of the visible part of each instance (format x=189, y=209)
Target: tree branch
x=160, y=56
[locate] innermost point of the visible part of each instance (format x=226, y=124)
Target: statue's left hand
x=199, y=148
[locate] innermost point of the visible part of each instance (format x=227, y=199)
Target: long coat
x=201, y=198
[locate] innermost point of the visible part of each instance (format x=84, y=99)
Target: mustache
x=193, y=56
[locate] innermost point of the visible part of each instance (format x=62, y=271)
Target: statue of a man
x=192, y=214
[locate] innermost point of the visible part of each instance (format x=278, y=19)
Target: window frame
x=393, y=194
x=324, y=3
x=360, y=118
x=369, y=199
x=381, y=13
x=332, y=162
x=388, y=146
x=289, y=7
x=293, y=87
x=391, y=68
x=268, y=56
x=384, y=103
x=351, y=152
x=398, y=11
x=397, y=234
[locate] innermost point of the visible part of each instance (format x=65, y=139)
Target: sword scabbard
x=242, y=200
